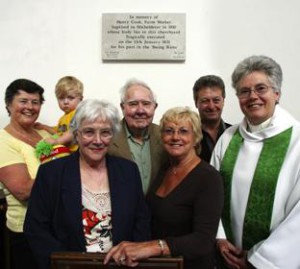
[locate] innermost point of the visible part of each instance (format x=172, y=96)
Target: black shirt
x=208, y=144
x=188, y=217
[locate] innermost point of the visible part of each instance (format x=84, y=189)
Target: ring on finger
x=122, y=259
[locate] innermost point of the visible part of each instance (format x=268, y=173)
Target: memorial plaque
x=143, y=36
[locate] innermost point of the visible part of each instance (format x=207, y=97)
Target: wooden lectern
x=84, y=260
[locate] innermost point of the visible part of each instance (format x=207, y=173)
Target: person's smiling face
x=93, y=140
x=25, y=108
x=138, y=108
x=257, y=107
x=178, y=139
x=210, y=103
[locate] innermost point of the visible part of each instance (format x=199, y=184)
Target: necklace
x=185, y=166
x=173, y=170
x=96, y=200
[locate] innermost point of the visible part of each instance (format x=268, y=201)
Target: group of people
x=220, y=196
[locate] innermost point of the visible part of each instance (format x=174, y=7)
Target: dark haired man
x=209, y=95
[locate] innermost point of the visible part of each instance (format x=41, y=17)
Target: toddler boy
x=69, y=93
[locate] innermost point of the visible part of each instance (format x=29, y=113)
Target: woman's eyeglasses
x=259, y=90
x=89, y=133
x=182, y=132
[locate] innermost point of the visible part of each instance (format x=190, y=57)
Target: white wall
x=44, y=40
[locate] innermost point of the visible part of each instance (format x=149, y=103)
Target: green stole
x=261, y=196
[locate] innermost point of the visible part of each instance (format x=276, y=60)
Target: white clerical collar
x=255, y=128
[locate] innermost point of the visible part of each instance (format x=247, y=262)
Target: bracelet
x=161, y=245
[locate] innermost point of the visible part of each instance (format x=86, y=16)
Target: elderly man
x=209, y=96
x=139, y=139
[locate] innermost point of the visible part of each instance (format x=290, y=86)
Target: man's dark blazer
x=119, y=147
x=54, y=217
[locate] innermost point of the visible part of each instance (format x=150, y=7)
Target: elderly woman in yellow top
x=18, y=163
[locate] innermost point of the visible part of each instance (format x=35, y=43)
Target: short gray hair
x=93, y=109
x=261, y=64
x=133, y=82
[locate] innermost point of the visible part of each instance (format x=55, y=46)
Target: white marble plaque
x=143, y=36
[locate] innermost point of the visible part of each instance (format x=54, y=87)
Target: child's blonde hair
x=67, y=84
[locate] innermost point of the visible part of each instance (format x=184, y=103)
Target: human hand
x=129, y=253
x=243, y=262
x=41, y=126
x=38, y=126
x=232, y=255
x=51, y=140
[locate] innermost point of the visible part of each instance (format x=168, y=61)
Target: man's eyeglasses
x=182, y=132
x=89, y=133
x=259, y=89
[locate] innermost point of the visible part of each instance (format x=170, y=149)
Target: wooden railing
x=83, y=260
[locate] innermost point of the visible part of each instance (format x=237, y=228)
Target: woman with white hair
x=88, y=201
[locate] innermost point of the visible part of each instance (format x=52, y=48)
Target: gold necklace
x=174, y=170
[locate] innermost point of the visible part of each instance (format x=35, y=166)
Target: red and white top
x=96, y=219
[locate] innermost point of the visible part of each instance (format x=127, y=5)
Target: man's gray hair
x=133, y=82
